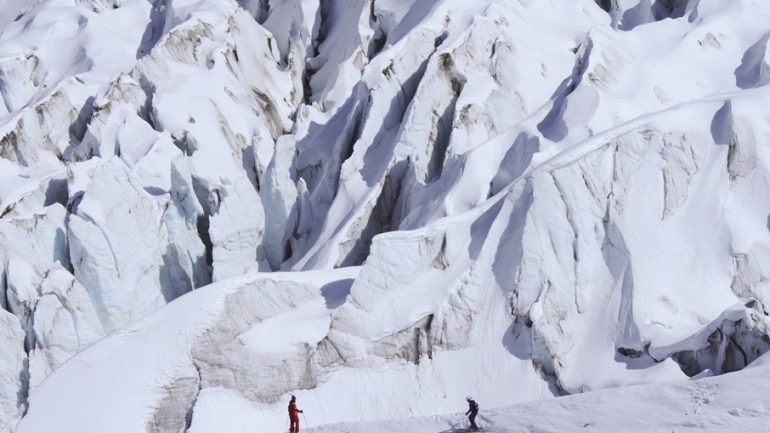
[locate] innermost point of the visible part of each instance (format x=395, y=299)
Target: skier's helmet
x=293, y=398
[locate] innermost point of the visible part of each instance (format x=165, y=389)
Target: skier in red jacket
x=293, y=417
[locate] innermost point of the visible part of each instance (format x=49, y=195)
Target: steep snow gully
x=380, y=206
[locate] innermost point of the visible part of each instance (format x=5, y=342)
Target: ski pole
x=303, y=417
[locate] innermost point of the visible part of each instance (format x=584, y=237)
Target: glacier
x=382, y=206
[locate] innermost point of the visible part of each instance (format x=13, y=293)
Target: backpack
x=474, y=406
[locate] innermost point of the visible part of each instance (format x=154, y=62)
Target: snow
x=65, y=322
x=306, y=323
x=142, y=383
x=722, y=404
x=110, y=253
x=209, y=205
x=12, y=365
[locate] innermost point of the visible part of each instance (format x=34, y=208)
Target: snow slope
x=209, y=205
x=166, y=359
x=727, y=403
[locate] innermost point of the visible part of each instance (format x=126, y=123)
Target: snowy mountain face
x=379, y=206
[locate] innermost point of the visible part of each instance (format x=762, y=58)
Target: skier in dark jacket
x=293, y=417
x=473, y=410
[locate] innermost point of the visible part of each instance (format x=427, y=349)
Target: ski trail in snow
x=575, y=152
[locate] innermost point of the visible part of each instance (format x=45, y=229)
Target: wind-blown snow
x=209, y=205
